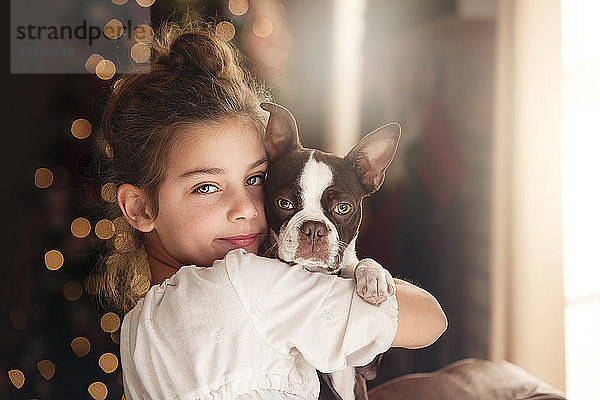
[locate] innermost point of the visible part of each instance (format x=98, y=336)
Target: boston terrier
x=314, y=208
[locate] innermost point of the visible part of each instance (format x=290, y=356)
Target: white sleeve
x=319, y=315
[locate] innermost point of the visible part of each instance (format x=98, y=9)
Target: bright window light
x=581, y=195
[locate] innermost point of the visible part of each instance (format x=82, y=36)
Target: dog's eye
x=285, y=204
x=342, y=208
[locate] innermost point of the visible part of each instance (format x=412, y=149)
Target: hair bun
x=201, y=52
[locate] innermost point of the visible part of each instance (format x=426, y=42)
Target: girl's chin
x=222, y=247
x=243, y=242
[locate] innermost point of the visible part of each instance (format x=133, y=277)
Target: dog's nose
x=313, y=230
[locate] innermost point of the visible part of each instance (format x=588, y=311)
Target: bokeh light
x=104, y=229
x=238, y=7
x=105, y=69
x=81, y=128
x=262, y=27
x=92, y=62
x=110, y=322
x=46, y=368
x=43, y=178
x=16, y=377
x=80, y=346
x=109, y=192
x=225, y=30
x=145, y=3
x=98, y=390
x=108, y=362
x=72, y=290
x=18, y=318
x=119, y=2
x=113, y=29
x=143, y=34
x=140, y=52
x=54, y=260
x=115, y=337
x=81, y=227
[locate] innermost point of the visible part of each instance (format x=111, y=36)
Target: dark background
x=426, y=66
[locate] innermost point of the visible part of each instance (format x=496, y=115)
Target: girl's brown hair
x=194, y=77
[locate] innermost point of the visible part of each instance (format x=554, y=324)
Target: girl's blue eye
x=207, y=188
x=255, y=180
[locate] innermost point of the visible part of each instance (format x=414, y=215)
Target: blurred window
x=581, y=195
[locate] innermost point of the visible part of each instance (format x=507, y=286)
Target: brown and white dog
x=314, y=209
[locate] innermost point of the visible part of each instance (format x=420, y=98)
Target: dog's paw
x=373, y=282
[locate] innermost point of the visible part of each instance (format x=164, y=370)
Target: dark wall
x=433, y=73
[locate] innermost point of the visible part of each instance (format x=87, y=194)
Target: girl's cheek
x=204, y=201
x=258, y=195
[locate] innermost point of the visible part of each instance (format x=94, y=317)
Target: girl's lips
x=241, y=240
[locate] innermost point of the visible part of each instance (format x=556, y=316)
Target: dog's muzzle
x=310, y=242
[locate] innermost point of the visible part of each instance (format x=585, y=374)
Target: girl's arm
x=421, y=320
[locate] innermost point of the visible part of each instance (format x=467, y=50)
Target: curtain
x=526, y=255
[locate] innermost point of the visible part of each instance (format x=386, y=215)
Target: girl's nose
x=242, y=207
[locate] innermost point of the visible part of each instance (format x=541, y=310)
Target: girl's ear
x=135, y=207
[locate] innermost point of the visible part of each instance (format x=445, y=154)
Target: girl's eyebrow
x=218, y=171
x=260, y=162
x=202, y=171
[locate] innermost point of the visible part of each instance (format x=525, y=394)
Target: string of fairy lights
x=262, y=26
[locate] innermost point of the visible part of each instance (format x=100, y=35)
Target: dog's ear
x=282, y=133
x=373, y=154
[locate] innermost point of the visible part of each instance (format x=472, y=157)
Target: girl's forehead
x=223, y=129
x=232, y=142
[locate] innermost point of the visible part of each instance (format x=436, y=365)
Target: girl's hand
x=373, y=282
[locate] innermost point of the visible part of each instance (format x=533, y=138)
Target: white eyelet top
x=248, y=327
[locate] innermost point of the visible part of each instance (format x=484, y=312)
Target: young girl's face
x=212, y=198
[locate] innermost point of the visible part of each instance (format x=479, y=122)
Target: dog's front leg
x=373, y=282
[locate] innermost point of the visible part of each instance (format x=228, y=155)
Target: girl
x=184, y=146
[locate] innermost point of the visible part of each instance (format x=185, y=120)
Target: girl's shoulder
x=238, y=261
x=254, y=277
x=240, y=258
x=238, y=274
x=248, y=266
x=238, y=266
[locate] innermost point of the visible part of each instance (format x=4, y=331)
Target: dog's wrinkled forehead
x=316, y=176
x=286, y=171
x=308, y=173
x=344, y=175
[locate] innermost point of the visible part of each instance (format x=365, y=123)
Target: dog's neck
x=349, y=260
